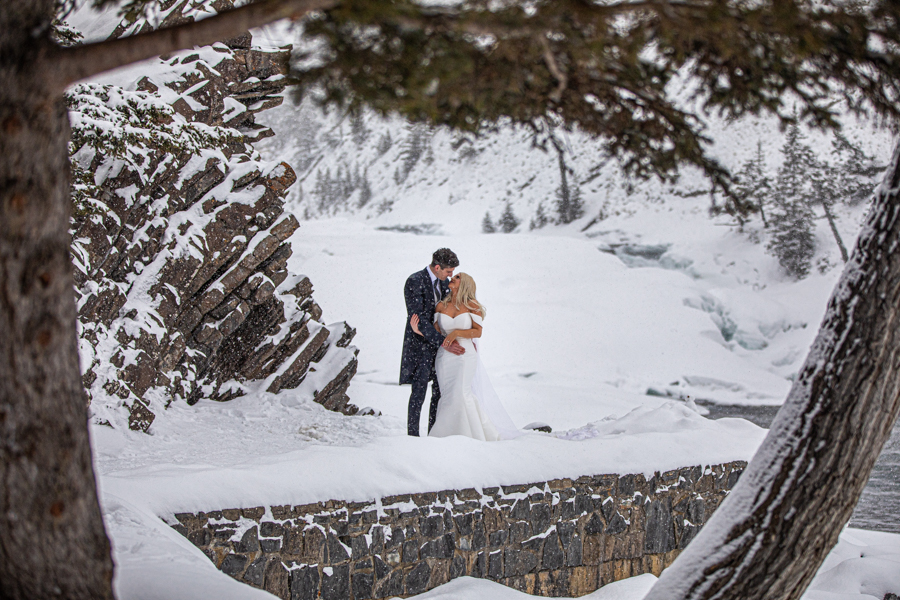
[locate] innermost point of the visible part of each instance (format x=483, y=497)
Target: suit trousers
x=417, y=399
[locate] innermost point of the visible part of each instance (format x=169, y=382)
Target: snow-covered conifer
x=540, y=218
x=569, y=205
x=487, y=224
x=850, y=180
x=753, y=187
x=508, y=220
x=791, y=217
x=415, y=146
x=384, y=143
x=365, y=191
x=855, y=173
x=358, y=128
x=792, y=239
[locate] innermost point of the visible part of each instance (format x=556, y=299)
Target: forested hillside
x=799, y=187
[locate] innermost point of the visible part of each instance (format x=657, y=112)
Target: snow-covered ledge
x=562, y=537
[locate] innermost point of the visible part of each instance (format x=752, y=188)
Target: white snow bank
x=863, y=564
x=672, y=416
x=330, y=456
x=154, y=562
x=469, y=588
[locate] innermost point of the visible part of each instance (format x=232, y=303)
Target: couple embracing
x=444, y=320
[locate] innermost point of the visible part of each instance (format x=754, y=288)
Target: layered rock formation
x=180, y=242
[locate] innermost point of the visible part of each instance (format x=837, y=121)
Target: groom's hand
x=456, y=348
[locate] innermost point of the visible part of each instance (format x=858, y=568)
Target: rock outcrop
x=180, y=242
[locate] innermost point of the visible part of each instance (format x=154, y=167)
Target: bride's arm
x=474, y=332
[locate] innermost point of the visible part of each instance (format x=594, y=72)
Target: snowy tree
x=487, y=224
x=773, y=531
x=384, y=143
x=540, y=218
x=324, y=190
x=358, y=128
x=415, y=145
x=508, y=220
x=365, y=190
x=791, y=217
x=586, y=65
x=333, y=193
x=792, y=241
x=856, y=172
x=752, y=187
x=569, y=205
x=850, y=180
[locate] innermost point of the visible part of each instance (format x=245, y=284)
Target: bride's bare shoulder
x=475, y=310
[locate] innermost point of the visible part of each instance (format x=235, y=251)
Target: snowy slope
x=578, y=318
x=684, y=304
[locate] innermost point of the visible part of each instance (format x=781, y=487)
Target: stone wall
x=556, y=538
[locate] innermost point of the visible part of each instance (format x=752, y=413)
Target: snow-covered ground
x=574, y=337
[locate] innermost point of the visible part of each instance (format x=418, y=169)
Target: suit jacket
x=418, y=351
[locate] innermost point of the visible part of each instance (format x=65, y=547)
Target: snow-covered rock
x=180, y=242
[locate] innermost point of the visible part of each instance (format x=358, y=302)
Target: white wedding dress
x=468, y=406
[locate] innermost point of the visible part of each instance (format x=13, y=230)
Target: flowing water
x=879, y=506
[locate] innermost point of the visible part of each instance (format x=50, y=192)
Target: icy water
x=879, y=506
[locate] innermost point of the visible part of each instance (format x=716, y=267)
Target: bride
x=468, y=406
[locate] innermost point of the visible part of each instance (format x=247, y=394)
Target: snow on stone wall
x=556, y=538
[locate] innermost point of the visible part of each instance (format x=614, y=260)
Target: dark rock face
x=407, y=544
x=181, y=249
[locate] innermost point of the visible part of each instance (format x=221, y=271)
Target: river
x=879, y=506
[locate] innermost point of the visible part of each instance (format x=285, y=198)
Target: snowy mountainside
x=723, y=291
x=394, y=172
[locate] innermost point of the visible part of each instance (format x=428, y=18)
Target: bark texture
x=52, y=540
x=774, y=531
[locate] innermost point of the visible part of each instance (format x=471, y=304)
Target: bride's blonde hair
x=465, y=297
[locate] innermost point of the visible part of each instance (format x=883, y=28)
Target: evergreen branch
x=80, y=62
x=479, y=21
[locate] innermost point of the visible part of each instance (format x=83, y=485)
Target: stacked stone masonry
x=556, y=538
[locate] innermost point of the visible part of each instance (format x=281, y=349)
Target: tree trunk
x=772, y=533
x=837, y=236
x=52, y=540
x=564, y=202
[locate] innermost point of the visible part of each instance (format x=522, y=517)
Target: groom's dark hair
x=445, y=257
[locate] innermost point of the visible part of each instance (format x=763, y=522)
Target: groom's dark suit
x=417, y=364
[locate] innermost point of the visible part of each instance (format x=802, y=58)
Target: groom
x=422, y=291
